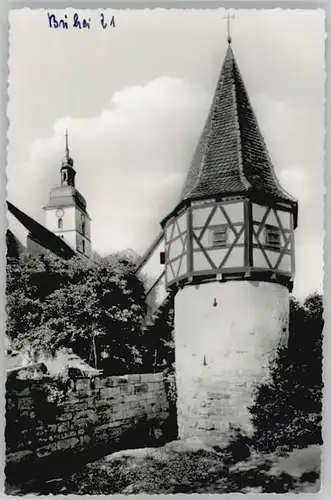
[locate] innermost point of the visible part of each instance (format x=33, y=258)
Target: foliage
x=288, y=410
x=93, y=306
x=161, y=346
x=49, y=395
x=174, y=468
x=238, y=448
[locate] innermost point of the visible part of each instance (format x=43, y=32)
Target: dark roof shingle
x=43, y=236
x=231, y=156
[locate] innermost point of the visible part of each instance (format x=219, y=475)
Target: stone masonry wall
x=45, y=418
x=226, y=334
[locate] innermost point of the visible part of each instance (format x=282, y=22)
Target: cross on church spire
x=228, y=17
x=67, y=160
x=67, y=146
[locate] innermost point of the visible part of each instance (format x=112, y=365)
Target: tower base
x=226, y=334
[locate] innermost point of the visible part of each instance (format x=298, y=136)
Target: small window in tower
x=60, y=223
x=220, y=236
x=64, y=176
x=83, y=227
x=83, y=243
x=272, y=237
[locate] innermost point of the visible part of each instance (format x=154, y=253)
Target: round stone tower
x=229, y=253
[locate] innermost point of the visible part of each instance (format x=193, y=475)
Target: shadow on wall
x=38, y=475
x=54, y=428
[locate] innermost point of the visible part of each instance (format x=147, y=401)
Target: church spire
x=231, y=157
x=67, y=160
x=67, y=171
x=67, y=146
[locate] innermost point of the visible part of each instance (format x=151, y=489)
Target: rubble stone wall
x=46, y=417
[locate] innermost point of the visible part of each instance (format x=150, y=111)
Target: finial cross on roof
x=67, y=160
x=67, y=145
x=228, y=17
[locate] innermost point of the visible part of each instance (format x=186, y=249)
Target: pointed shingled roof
x=231, y=156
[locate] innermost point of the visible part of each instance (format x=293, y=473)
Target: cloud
x=130, y=161
x=133, y=131
x=132, y=158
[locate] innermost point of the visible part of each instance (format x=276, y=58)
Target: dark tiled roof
x=66, y=196
x=40, y=234
x=231, y=156
x=14, y=246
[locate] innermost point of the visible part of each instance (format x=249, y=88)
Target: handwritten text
x=79, y=22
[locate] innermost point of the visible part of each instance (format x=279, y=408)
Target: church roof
x=41, y=235
x=231, y=157
x=66, y=196
x=14, y=246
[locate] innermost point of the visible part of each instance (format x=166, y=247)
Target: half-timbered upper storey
x=234, y=220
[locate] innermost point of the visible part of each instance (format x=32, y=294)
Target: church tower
x=66, y=214
x=229, y=251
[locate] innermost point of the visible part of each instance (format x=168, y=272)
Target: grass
x=182, y=468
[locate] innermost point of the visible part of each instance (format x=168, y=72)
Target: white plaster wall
x=79, y=243
x=183, y=266
x=68, y=231
x=200, y=262
x=175, y=248
x=234, y=259
x=199, y=215
x=258, y=212
x=79, y=214
x=88, y=248
x=69, y=237
x=234, y=210
x=169, y=274
x=152, y=269
x=177, y=268
x=182, y=223
x=237, y=338
x=172, y=229
x=168, y=229
x=273, y=256
x=286, y=264
x=69, y=219
x=260, y=261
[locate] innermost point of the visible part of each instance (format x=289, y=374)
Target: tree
x=288, y=410
x=94, y=306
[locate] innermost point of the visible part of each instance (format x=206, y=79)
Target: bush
x=95, y=307
x=288, y=410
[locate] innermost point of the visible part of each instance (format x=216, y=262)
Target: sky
x=134, y=99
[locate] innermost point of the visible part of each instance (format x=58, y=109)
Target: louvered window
x=220, y=236
x=272, y=237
